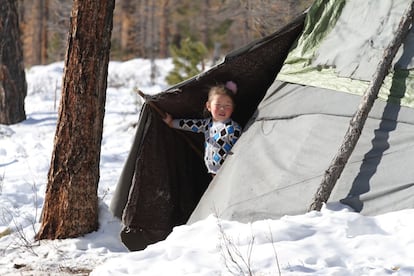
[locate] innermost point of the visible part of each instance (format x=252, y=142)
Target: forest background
x=148, y=28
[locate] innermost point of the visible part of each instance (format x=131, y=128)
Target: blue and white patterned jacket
x=219, y=137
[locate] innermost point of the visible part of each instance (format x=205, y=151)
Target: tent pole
x=357, y=122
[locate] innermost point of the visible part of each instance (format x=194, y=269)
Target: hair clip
x=232, y=86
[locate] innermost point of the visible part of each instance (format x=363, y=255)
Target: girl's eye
x=227, y=106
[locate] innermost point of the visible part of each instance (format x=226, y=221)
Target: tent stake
x=357, y=122
x=163, y=115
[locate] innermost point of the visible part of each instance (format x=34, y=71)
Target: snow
x=335, y=241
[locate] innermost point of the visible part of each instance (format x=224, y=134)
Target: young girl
x=220, y=131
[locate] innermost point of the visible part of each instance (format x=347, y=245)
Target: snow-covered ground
x=335, y=241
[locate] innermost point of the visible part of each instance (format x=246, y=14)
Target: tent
x=298, y=89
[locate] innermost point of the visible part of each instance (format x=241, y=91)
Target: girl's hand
x=168, y=119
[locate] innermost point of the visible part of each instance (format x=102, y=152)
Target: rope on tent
x=163, y=115
x=356, y=125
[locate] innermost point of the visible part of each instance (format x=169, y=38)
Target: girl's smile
x=220, y=107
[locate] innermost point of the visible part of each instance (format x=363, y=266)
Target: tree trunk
x=26, y=30
x=37, y=27
x=71, y=202
x=205, y=21
x=354, y=131
x=247, y=21
x=34, y=17
x=142, y=26
x=44, y=33
x=13, y=87
x=164, y=19
x=128, y=25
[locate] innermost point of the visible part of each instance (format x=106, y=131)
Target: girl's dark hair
x=221, y=89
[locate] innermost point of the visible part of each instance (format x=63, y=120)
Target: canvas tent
x=295, y=110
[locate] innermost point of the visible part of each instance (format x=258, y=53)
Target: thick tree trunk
x=13, y=87
x=354, y=131
x=71, y=203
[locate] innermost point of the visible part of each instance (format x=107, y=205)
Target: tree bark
x=354, y=131
x=13, y=87
x=71, y=202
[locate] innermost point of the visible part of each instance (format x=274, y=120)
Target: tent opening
x=164, y=177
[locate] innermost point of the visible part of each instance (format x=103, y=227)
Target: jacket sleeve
x=194, y=125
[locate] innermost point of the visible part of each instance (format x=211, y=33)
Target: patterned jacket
x=219, y=137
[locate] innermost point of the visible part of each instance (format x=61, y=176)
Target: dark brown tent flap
x=163, y=178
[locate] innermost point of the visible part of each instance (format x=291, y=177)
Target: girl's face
x=220, y=107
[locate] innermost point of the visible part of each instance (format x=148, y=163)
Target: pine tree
x=188, y=60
